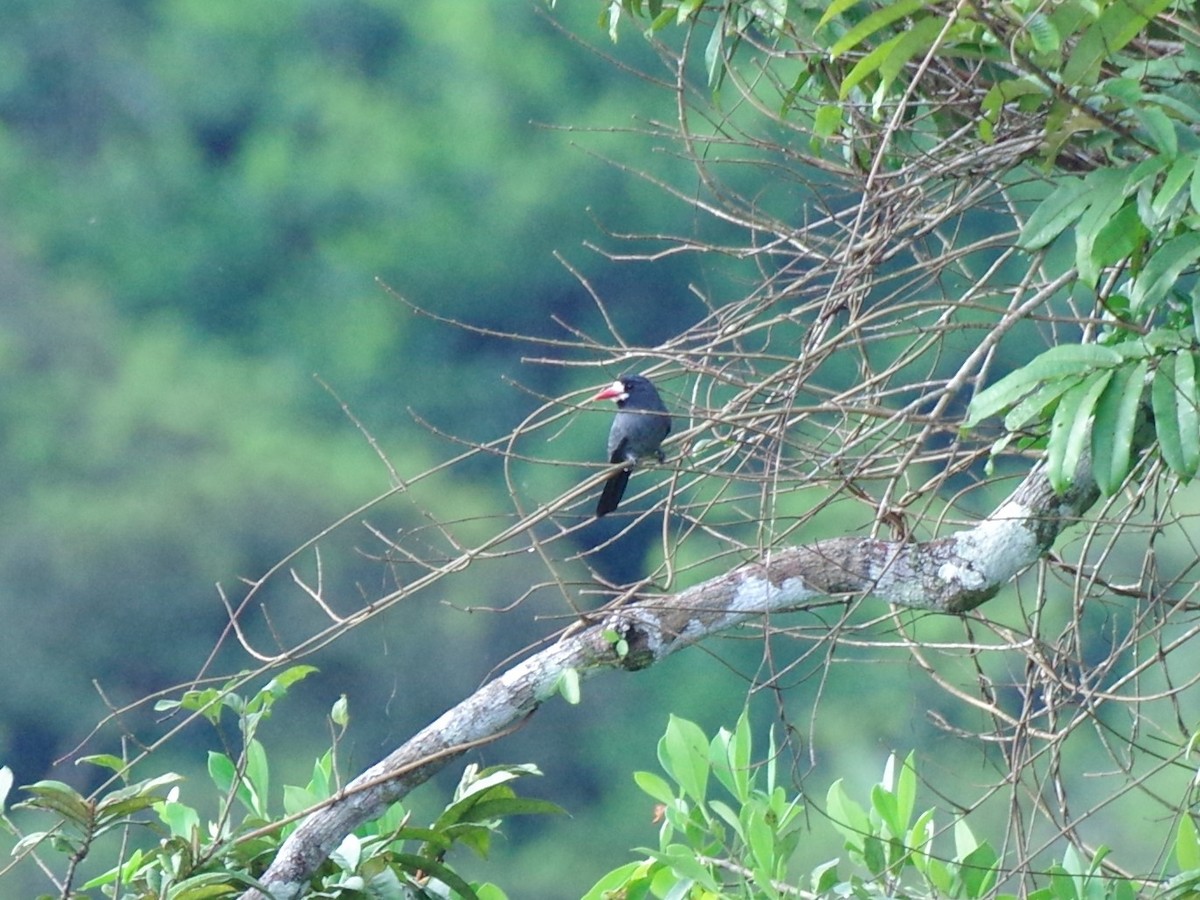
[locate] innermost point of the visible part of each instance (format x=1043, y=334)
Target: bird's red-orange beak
x=615, y=391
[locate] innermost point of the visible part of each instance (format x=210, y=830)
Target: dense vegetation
x=208, y=205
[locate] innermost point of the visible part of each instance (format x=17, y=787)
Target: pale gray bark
x=950, y=575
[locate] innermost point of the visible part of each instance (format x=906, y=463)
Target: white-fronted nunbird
x=638, y=430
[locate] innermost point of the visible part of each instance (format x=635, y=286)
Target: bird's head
x=627, y=384
x=618, y=391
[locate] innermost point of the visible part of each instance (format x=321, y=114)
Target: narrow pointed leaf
x=1063, y=361
x=1112, y=431
x=1163, y=269
x=1055, y=214
x=1070, y=428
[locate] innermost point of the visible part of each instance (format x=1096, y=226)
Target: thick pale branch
x=950, y=575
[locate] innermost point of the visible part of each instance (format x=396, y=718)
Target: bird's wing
x=617, y=454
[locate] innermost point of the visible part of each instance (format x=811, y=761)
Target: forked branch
x=952, y=574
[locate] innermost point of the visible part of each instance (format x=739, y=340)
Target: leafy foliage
x=177, y=854
x=752, y=845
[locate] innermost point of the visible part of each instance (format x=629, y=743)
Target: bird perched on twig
x=638, y=430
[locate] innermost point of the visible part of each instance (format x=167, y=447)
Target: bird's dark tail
x=614, y=490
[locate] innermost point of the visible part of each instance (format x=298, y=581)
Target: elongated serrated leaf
x=1063, y=361
x=143, y=789
x=1181, y=173
x=1116, y=419
x=835, y=9
x=1120, y=236
x=1123, y=20
x=892, y=55
x=1160, y=128
x=1055, y=214
x=1120, y=23
x=1176, y=423
x=1108, y=189
x=1163, y=269
x=1070, y=428
x=1044, y=35
x=1163, y=401
x=1034, y=406
x=879, y=19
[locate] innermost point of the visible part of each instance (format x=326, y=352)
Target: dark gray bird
x=641, y=424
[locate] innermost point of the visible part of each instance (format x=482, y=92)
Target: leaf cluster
x=168, y=849
x=749, y=842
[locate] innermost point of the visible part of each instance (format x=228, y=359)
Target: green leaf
x=1115, y=422
x=1054, y=214
x=760, y=838
x=1160, y=129
x=56, y=797
x=1062, y=361
x=502, y=807
x=105, y=761
x=1181, y=173
x=827, y=121
x=1044, y=35
x=568, y=685
x=221, y=770
x=257, y=777
x=730, y=754
x=182, y=820
x=835, y=9
x=890, y=57
x=655, y=786
x=1070, y=428
x=1163, y=269
x=1176, y=421
x=1117, y=26
x=683, y=754
x=978, y=870
x=1119, y=237
x=6, y=783
x=413, y=863
x=1187, y=844
x=884, y=803
x=1033, y=406
x=713, y=54
x=1109, y=187
x=876, y=21
x=906, y=791
x=847, y=816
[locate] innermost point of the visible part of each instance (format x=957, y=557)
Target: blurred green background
x=200, y=201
